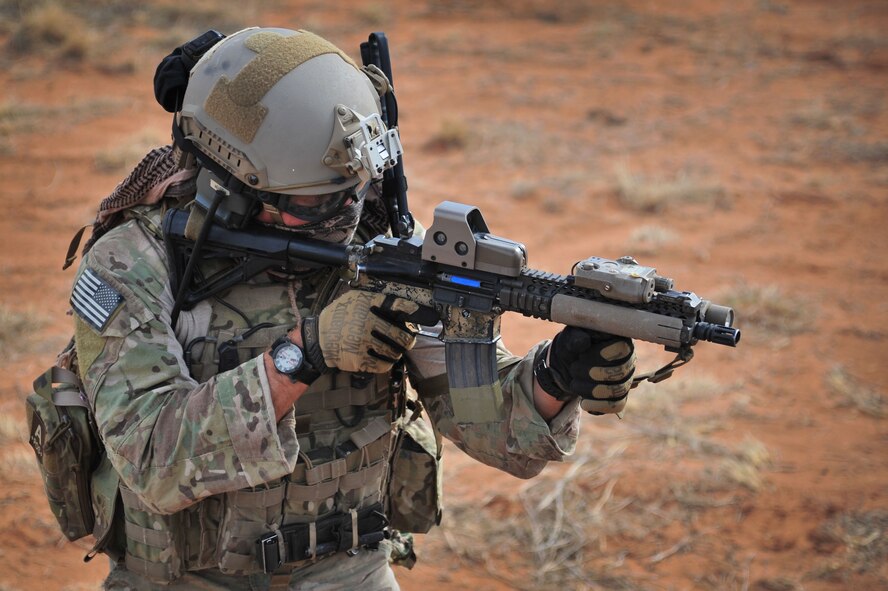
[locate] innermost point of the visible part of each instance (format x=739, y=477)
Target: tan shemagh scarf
x=155, y=176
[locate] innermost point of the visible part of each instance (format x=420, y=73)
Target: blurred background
x=739, y=147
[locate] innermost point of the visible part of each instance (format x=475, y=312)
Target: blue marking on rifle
x=464, y=281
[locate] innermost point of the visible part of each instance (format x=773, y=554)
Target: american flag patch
x=94, y=300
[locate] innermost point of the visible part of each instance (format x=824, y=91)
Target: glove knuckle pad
x=613, y=373
x=616, y=350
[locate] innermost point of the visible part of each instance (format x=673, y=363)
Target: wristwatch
x=290, y=360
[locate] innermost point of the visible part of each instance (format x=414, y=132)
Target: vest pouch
x=67, y=449
x=105, y=483
x=415, y=488
x=248, y=515
x=153, y=541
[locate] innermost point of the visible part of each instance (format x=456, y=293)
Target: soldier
x=266, y=437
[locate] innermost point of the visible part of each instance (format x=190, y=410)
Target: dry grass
x=523, y=190
x=21, y=118
x=853, y=394
x=51, y=30
x=855, y=152
x=97, y=32
x=577, y=524
x=124, y=157
x=747, y=466
x=374, y=15
x=16, y=331
x=12, y=427
x=663, y=402
x=200, y=15
x=557, y=191
x=16, y=118
x=452, y=134
x=766, y=312
x=18, y=464
x=556, y=534
x=856, y=542
x=650, y=239
x=657, y=194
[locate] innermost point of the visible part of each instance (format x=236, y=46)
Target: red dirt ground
x=772, y=114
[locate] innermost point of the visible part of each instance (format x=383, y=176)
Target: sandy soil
x=739, y=147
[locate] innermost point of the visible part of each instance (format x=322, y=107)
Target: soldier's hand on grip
x=360, y=332
x=595, y=366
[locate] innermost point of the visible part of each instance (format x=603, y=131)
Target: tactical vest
x=350, y=428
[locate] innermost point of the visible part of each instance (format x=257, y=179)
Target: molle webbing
x=326, y=471
x=325, y=395
x=346, y=482
x=157, y=571
x=373, y=431
x=130, y=499
x=237, y=562
x=235, y=103
x=361, y=466
x=257, y=502
x=336, y=398
x=150, y=537
x=161, y=542
x=255, y=499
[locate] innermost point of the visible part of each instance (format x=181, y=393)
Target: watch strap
x=545, y=377
x=312, y=344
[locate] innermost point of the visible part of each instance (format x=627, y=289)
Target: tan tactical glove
x=360, y=332
x=595, y=366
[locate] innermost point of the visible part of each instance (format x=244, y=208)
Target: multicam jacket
x=186, y=417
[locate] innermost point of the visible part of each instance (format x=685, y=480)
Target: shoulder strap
x=71, y=255
x=55, y=375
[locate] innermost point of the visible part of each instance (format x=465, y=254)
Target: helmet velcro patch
x=235, y=103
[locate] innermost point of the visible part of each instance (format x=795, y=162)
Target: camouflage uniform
x=204, y=470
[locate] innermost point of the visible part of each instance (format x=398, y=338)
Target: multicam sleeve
x=520, y=441
x=174, y=441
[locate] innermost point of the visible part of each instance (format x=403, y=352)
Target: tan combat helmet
x=288, y=112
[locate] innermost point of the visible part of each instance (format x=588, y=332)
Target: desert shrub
x=853, y=394
x=857, y=541
x=649, y=239
x=451, y=135
x=767, y=311
x=15, y=328
x=53, y=31
x=657, y=194
x=123, y=157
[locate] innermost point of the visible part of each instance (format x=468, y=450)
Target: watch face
x=288, y=358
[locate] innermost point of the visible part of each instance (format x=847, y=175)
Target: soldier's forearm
x=547, y=405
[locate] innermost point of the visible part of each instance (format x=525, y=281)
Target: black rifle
x=469, y=278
